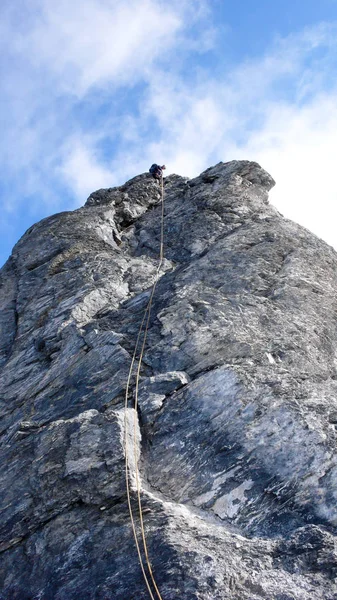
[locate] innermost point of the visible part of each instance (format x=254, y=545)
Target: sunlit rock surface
x=237, y=407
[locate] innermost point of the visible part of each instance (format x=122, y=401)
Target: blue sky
x=94, y=91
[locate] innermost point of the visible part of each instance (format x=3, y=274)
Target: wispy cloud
x=89, y=43
x=81, y=159
x=64, y=61
x=298, y=146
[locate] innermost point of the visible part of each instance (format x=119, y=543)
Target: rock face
x=237, y=414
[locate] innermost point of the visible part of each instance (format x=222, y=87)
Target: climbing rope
x=145, y=565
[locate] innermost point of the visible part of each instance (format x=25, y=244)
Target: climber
x=157, y=171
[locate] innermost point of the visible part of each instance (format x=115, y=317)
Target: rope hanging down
x=145, y=565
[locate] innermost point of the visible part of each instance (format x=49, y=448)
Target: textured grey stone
x=153, y=391
x=237, y=405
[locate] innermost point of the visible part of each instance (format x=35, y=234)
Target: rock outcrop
x=237, y=414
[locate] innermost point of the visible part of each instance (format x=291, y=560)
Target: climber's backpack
x=153, y=168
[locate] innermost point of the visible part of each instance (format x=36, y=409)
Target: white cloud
x=298, y=147
x=61, y=58
x=87, y=43
x=82, y=171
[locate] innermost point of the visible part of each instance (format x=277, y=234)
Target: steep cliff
x=237, y=407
